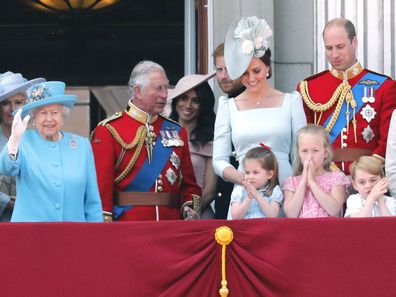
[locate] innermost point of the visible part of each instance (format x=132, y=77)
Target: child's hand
x=250, y=189
x=311, y=173
x=379, y=189
x=304, y=175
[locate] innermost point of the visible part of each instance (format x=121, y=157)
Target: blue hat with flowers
x=246, y=38
x=47, y=93
x=13, y=83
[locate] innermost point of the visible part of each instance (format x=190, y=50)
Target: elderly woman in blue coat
x=56, y=177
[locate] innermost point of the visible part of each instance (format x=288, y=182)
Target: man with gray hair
x=142, y=159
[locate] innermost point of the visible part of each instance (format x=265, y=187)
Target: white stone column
x=375, y=20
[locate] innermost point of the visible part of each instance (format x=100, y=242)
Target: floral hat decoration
x=47, y=93
x=246, y=38
x=13, y=83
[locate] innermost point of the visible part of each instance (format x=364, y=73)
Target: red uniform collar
x=139, y=115
x=353, y=71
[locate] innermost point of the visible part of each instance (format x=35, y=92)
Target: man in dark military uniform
x=354, y=104
x=142, y=158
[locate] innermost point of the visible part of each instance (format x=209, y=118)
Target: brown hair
x=218, y=52
x=368, y=164
x=312, y=130
x=345, y=23
x=268, y=161
x=266, y=58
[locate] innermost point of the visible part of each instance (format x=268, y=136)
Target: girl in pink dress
x=315, y=191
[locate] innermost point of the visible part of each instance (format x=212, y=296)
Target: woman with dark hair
x=192, y=107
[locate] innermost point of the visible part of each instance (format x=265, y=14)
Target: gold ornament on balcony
x=68, y=6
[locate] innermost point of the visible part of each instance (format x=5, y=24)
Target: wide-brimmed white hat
x=187, y=83
x=14, y=83
x=46, y=93
x=246, y=38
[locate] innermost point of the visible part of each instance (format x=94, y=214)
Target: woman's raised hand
x=18, y=129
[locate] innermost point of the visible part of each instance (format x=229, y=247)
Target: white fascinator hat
x=246, y=38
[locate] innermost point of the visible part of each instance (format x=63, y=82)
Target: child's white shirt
x=355, y=203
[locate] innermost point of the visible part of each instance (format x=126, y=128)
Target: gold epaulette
x=109, y=119
x=169, y=119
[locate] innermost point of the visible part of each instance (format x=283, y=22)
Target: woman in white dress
x=261, y=114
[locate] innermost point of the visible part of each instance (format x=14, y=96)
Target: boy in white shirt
x=368, y=179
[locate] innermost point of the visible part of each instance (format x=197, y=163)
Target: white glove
x=18, y=129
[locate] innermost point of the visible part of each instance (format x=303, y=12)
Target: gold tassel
x=223, y=236
x=149, y=141
x=347, y=116
x=353, y=105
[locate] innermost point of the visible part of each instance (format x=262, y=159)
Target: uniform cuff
x=107, y=216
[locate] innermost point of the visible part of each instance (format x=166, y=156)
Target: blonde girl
x=315, y=190
x=260, y=195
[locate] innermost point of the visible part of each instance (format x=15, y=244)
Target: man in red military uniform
x=142, y=159
x=353, y=104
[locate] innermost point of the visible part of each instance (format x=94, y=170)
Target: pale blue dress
x=56, y=181
x=254, y=211
x=276, y=127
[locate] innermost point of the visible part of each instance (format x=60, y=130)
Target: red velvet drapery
x=268, y=257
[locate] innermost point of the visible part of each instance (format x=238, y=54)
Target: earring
x=268, y=74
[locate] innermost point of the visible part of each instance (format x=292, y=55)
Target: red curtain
x=268, y=257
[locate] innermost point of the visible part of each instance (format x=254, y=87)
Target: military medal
x=368, y=113
x=371, y=98
x=175, y=160
x=365, y=98
x=171, y=176
x=170, y=137
x=368, y=134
